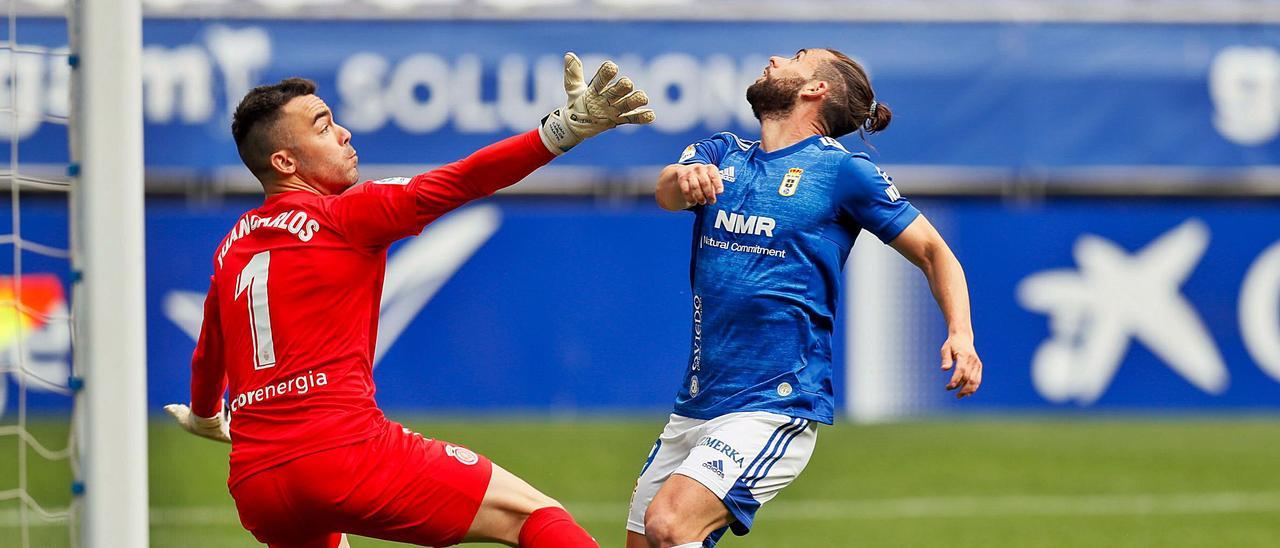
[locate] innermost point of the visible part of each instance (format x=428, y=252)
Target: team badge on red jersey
x=464, y=455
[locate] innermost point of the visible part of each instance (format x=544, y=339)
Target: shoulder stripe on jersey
x=833, y=143
x=742, y=143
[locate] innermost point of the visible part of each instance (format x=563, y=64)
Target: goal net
x=38, y=475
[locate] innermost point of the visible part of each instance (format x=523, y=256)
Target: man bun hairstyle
x=878, y=117
x=851, y=104
x=254, y=124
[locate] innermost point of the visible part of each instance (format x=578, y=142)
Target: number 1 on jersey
x=254, y=278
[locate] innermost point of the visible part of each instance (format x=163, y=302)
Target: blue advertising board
x=1124, y=305
x=568, y=307
x=1020, y=96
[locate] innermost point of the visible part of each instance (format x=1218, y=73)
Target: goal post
x=108, y=241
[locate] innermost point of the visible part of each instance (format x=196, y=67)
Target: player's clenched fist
x=684, y=185
x=700, y=183
x=592, y=107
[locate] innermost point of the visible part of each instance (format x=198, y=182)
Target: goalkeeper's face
x=322, y=151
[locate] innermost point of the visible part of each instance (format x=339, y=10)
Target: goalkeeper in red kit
x=291, y=321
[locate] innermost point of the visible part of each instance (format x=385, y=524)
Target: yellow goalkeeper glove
x=592, y=107
x=216, y=428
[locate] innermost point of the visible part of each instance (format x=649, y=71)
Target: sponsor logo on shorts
x=464, y=455
x=722, y=447
x=716, y=466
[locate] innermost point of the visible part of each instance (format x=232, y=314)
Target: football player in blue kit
x=774, y=221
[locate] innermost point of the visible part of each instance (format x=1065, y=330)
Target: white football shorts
x=744, y=458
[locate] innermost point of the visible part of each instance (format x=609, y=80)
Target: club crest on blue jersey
x=790, y=181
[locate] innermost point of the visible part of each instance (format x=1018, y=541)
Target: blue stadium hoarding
x=1124, y=305
x=1079, y=305
x=1032, y=97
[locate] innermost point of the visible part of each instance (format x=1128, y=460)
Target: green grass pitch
x=979, y=483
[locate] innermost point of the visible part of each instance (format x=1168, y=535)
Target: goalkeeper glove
x=592, y=107
x=216, y=428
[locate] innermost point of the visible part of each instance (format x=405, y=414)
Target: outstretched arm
x=378, y=214
x=921, y=244
x=484, y=172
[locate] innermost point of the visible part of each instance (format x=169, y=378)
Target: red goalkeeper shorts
x=396, y=486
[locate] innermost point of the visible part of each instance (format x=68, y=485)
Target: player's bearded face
x=774, y=95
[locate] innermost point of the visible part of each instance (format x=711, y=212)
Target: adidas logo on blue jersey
x=726, y=174
x=716, y=466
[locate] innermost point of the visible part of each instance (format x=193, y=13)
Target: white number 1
x=254, y=278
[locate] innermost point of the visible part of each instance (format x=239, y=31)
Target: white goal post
x=110, y=312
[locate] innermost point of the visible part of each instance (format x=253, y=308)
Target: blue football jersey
x=766, y=269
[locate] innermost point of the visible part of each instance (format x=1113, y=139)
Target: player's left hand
x=592, y=107
x=216, y=428
x=958, y=354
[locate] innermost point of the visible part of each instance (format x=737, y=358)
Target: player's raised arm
x=380, y=215
x=921, y=244
x=205, y=417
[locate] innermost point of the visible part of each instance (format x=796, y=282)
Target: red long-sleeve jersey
x=291, y=318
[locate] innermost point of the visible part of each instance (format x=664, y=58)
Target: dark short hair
x=847, y=107
x=254, y=123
